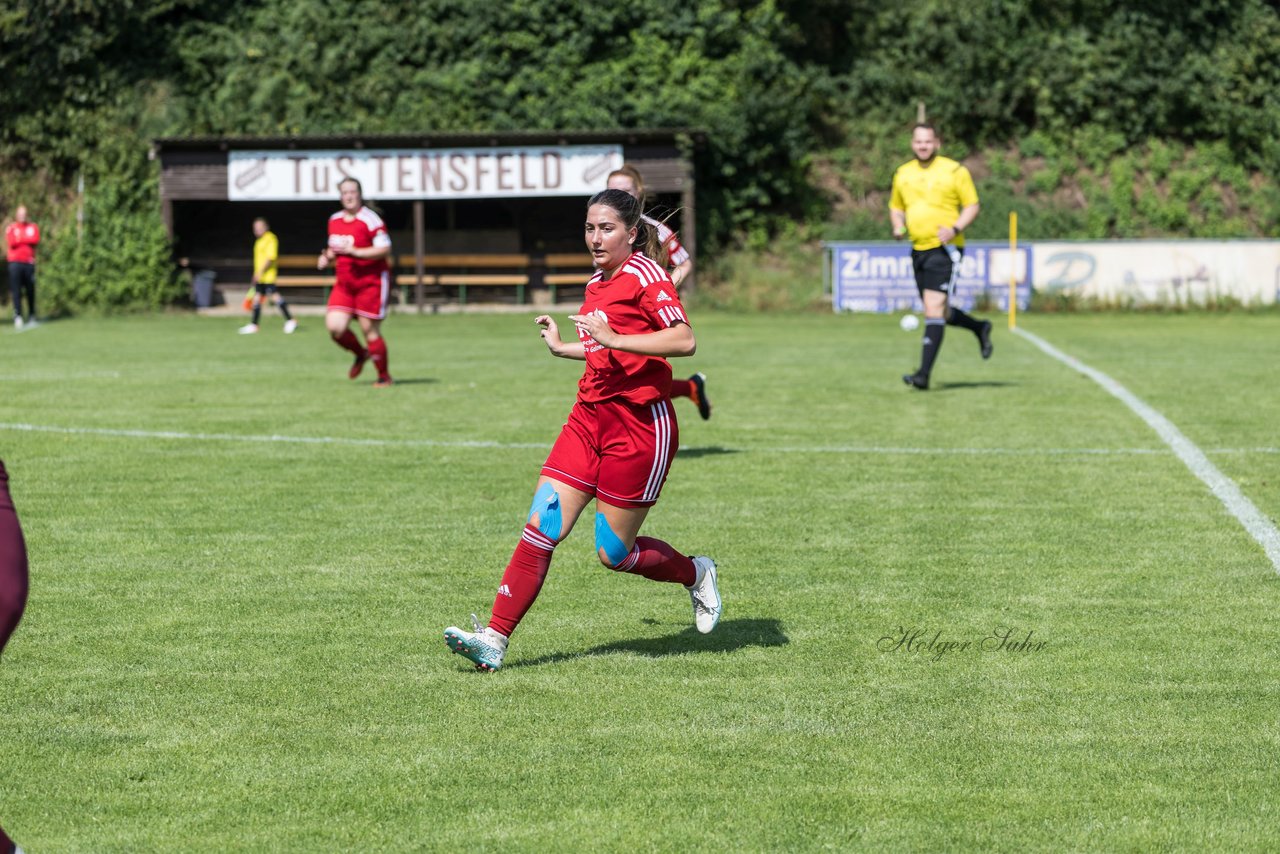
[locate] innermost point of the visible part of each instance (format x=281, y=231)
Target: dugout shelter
x=492, y=217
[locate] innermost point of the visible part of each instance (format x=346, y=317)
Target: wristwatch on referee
x=957, y=229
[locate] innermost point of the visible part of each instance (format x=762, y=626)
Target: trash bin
x=202, y=286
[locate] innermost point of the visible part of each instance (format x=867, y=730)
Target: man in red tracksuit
x=22, y=237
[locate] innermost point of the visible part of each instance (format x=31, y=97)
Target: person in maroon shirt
x=22, y=237
x=620, y=437
x=13, y=585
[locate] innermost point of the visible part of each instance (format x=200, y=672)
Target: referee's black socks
x=934, y=328
x=956, y=317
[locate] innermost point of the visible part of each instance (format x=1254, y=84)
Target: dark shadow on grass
x=417, y=381
x=729, y=636
x=984, y=384
x=707, y=451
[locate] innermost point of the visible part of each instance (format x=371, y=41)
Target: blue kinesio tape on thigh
x=606, y=539
x=546, y=504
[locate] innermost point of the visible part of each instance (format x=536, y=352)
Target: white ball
x=909, y=322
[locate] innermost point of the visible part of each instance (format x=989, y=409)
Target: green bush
x=119, y=258
x=1151, y=188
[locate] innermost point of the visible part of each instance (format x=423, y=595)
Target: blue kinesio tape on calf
x=606, y=539
x=546, y=505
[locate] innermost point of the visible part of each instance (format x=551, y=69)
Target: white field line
x=1237, y=503
x=251, y=438
x=51, y=376
x=884, y=450
x=889, y=450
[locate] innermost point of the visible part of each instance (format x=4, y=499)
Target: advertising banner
x=878, y=276
x=444, y=173
x=1160, y=272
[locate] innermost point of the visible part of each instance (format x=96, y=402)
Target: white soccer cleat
x=290, y=326
x=248, y=329
x=17, y=323
x=484, y=647
x=705, y=595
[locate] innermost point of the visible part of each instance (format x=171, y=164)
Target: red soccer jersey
x=22, y=237
x=638, y=299
x=365, y=230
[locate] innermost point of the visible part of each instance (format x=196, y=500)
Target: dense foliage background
x=1092, y=118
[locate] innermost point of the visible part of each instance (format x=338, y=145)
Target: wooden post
x=419, y=250
x=1013, y=269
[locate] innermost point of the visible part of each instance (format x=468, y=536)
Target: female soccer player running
x=358, y=248
x=620, y=437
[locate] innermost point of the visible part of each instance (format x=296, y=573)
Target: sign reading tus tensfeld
x=437, y=173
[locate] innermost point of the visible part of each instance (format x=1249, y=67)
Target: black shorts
x=937, y=268
x=265, y=290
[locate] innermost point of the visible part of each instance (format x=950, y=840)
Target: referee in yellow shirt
x=266, y=251
x=933, y=202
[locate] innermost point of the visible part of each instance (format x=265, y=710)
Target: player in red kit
x=358, y=248
x=620, y=437
x=22, y=237
x=627, y=178
x=13, y=586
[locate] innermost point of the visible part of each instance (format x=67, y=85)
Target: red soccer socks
x=522, y=580
x=378, y=353
x=657, y=561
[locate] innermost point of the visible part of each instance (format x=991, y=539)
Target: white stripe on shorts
x=662, y=448
x=954, y=254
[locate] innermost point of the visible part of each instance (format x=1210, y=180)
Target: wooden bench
x=566, y=268
x=460, y=272
x=323, y=279
x=476, y=270
x=313, y=278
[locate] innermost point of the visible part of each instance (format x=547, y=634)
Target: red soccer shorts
x=367, y=298
x=618, y=451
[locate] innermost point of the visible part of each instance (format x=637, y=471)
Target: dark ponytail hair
x=630, y=212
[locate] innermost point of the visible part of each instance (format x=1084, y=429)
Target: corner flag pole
x=1013, y=269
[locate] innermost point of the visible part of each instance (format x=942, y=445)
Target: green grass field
x=234, y=642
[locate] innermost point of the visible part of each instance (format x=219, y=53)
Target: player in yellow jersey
x=266, y=250
x=933, y=202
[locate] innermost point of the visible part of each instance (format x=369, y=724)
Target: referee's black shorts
x=936, y=268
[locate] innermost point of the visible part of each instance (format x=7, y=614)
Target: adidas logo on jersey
x=663, y=295
x=504, y=590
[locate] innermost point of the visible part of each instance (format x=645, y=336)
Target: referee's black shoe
x=699, y=395
x=918, y=380
x=984, y=339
